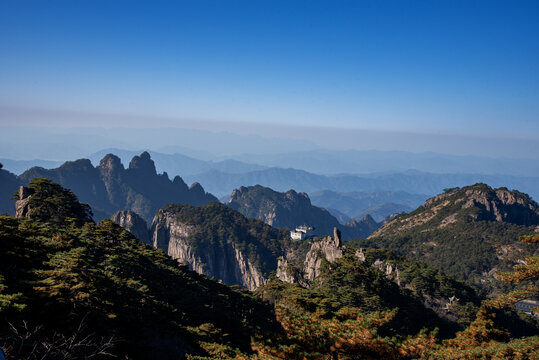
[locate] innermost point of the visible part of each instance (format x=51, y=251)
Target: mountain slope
x=292, y=209
x=469, y=232
x=71, y=290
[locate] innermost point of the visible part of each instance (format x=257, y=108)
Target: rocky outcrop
x=22, y=208
x=226, y=261
x=288, y=273
x=503, y=205
x=390, y=269
x=133, y=223
x=328, y=248
x=292, y=209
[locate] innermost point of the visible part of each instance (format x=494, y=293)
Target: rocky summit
x=470, y=232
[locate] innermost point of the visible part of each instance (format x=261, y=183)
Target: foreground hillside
x=468, y=232
x=74, y=289
x=70, y=288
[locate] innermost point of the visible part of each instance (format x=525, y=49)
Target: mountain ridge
x=109, y=186
x=471, y=233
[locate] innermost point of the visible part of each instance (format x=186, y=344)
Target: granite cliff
x=218, y=242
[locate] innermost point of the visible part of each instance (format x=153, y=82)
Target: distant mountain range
x=331, y=162
x=178, y=164
x=357, y=204
x=413, y=182
x=408, y=188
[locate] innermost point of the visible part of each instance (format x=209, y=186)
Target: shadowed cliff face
x=110, y=187
x=218, y=242
x=292, y=209
x=133, y=223
x=9, y=183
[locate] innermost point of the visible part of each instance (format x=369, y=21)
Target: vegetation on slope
x=469, y=233
x=97, y=286
x=75, y=289
x=216, y=225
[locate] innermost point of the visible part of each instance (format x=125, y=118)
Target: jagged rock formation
x=331, y=249
x=22, y=207
x=110, y=187
x=327, y=248
x=219, y=242
x=133, y=223
x=292, y=209
x=287, y=273
x=471, y=232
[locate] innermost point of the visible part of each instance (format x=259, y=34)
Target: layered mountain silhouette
x=109, y=186
x=292, y=209
x=378, y=204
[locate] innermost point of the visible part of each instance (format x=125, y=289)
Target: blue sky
x=445, y=67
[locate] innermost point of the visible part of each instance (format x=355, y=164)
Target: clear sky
x=445, y=67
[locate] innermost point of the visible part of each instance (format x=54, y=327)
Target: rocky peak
x=143, y=163
x=236, y=194
x=133, y=223
x=196, y=189
x=179, y=183
x=337, y=237
x=110, y=165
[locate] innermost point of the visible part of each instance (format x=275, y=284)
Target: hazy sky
x=442, y=67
